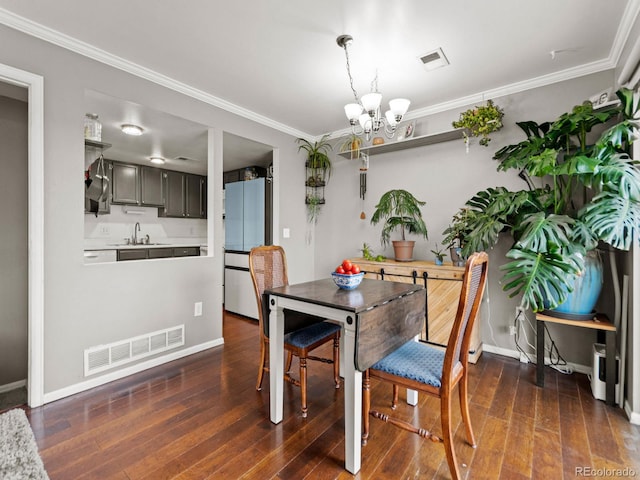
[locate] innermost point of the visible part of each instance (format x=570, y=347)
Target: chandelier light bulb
x=371, y=102
x=399, y=107
x=391, y=119
x=353, y=111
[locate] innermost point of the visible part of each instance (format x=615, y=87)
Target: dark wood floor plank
x=200, y=417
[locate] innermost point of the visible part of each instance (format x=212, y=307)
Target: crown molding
x=49, y=35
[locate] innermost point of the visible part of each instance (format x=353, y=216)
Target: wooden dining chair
x=303, y=333
x=434, y=371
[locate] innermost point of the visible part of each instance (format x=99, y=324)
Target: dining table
x=376, y=318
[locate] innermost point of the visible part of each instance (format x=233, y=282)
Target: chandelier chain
x=355, y=94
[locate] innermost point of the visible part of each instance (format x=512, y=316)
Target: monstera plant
x=579, y=193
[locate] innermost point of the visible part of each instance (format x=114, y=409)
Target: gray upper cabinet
x=174, y=197
x=126, y=185
x=195, y=196
x=151, y=187
x=185, y=195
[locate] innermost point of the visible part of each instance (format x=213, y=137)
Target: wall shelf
x=409, y=143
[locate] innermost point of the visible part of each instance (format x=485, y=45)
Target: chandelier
x=364, y=115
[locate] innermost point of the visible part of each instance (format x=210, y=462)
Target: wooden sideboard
x=443, y=284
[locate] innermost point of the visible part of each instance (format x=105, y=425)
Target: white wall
x=13, y=240
x=445, y=177
x=98, y=304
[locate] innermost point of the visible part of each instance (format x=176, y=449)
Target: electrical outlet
x=512, y=329
x=104, y=230
x=197, y=309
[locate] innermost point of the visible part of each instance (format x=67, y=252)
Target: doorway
x=33, y=84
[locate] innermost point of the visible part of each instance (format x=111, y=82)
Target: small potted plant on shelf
x=399, y=209
x=439, y=254
x=480, y=121
x=352, y=144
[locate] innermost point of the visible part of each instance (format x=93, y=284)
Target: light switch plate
x=197, y=309
x=286, y=233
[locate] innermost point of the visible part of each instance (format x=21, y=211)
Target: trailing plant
x=317, y=154
x=399, y=209
x=367, y=254
x=314, y=205
x=480, y=121
x=578, y=194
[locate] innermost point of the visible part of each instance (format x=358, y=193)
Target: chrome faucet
x=136, y=229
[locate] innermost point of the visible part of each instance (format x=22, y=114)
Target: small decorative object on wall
x=400, y=209
x=480, y=121
x=318, y=166
x=406, y=131
x=378, y=141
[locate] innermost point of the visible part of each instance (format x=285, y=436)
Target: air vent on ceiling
x=434, y=59
x=104, y=357
x=182, y=158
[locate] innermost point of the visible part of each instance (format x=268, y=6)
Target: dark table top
x=368, y=294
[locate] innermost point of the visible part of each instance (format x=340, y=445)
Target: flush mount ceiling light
x=157, y=160
x=131, y=129
x=371, y=120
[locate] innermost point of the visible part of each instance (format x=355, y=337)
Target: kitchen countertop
x=123, y=246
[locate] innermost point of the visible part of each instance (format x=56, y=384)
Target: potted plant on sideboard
x=399, y=209
x=579, y=193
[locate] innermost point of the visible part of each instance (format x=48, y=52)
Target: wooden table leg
x=611, y=367
x=540, y=354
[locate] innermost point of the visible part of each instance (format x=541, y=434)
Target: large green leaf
x=618, y=173
x=612, y=218
x=543, y=279
x=542, y=233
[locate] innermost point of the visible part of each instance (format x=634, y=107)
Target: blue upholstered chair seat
x=309, y=335
x=415, y=361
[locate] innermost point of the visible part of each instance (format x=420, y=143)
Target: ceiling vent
x=434, y=59
x=182, y=158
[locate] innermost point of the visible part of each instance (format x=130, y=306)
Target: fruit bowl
x=347, y=282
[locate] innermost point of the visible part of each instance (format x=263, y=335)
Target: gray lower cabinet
x=125, y=254
x=132, y=254
x=151, y=187
x=125, y=184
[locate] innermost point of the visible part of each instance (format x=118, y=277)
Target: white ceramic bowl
x=347, y=282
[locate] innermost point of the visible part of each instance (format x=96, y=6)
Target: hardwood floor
x=201, y=418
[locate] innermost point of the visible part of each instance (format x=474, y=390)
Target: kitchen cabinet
x=443, y=284
x=139, y=253
x=185, y=195
x=151, y=187
x=125, y=184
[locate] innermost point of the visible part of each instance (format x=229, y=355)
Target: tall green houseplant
x=399, y=209
x=579, y=194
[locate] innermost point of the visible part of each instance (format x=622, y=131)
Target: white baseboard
x=634, y=417
x=12, y=386
x=531, y=358
x=125, y=372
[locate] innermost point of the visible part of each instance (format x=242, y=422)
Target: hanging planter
x=480, y=121
x=318, y=171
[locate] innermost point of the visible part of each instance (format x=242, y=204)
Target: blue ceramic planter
x=586, y=288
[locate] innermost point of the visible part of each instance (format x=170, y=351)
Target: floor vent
x=104, y=357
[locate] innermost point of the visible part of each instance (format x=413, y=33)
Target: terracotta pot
x=403, y=250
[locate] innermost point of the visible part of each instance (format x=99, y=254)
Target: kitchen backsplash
x=119, y=224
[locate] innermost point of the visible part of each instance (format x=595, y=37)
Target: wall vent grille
x=104, y=357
